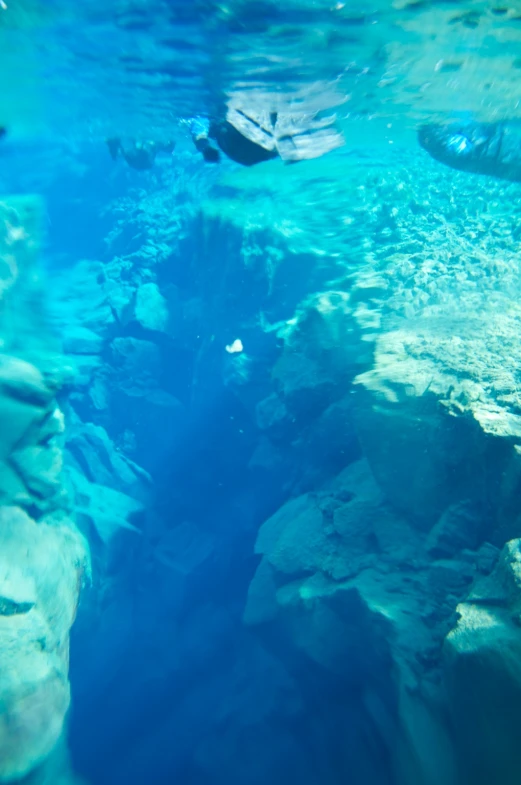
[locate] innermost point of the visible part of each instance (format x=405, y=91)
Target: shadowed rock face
x=492, y=149
x=42, y=556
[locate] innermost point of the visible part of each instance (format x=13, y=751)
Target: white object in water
x=235, y=347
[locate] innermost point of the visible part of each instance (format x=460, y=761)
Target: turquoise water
x=260, y=402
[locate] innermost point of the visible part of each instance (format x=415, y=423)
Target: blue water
x=289, y=387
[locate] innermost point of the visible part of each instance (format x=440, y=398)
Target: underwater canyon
x=260, y=423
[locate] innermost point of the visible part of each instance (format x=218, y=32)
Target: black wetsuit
x=252, y=136
x=204, y=145
x=493, y=149
x=221, y=136
x=238, y=147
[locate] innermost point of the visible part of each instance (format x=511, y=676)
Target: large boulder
x=101, y=510
x=91, y=451
x=344, y=595
x=151, y=310
x=433, y=427
x=322, y=352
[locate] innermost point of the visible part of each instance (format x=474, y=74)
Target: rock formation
x=43, y=557
x=365, y=435
x=395, y=589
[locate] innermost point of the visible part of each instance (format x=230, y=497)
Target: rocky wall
x=43, y=558
x=386, y=576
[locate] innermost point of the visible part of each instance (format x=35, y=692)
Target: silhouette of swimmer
x=252, y=136
x=492, y=149
x=138, y=155
x=231, y=142
x=238, y=147
x=200, y=131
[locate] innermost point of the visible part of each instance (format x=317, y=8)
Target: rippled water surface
x=140, y=67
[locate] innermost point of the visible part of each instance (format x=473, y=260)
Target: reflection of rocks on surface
x=291, y=132
x=43, y=558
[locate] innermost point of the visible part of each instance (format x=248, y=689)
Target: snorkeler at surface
x=200, y=132
x=492, y=149
x=228, y=140
x=138, y=155
x=251, y=136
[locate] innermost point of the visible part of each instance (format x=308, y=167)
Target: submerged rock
x=40, y=469
x=41, y=568
x=151, y=309
x=434, y=422
x=344, y=591
x=81, y=340
x=23, y=382
x=322, y=353
x=482, y=657
x=461, y=526
x=104, y=508
x=95, y=455
x=43, y=558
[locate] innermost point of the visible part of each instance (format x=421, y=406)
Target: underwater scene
x=260, y=392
